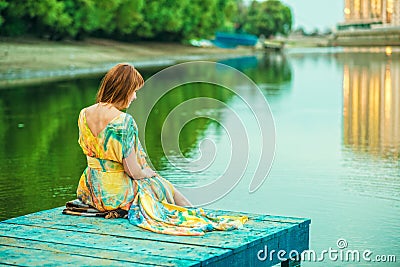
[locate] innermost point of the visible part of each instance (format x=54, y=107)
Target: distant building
x=369, y=23
x=367, y=14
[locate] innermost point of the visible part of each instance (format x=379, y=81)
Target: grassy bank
x=27, y=60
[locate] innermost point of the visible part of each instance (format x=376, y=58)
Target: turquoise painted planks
x=22, y=256
x=252, y=231
x=114, y=242
x=110, y=242
x=120, y=257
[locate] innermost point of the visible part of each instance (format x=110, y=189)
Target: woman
x=118, y=181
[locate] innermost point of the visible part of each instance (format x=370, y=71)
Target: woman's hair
x=119, y=84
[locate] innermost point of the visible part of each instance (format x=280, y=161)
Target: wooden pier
x=51, y=238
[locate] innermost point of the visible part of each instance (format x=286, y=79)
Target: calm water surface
x=337, y=155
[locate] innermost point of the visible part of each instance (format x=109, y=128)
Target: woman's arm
x=133, y=169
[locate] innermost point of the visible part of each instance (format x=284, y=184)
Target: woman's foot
x=181, y=200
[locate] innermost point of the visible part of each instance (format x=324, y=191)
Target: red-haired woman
x=118, y=182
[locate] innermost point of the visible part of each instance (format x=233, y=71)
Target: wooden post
x=291, y=263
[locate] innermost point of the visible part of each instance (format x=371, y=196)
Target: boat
x=232, y=40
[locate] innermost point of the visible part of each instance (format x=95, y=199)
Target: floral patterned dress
x=149, y=202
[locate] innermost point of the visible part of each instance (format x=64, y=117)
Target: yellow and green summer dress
x=105, y=186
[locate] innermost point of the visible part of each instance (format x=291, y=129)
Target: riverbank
x=30, y=60
x=376, y=36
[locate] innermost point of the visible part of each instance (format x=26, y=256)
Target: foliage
x=41, y=16
x=268, y=18
x=204, y=17
x=3, y=5
x=162, y=19
x=170, y=20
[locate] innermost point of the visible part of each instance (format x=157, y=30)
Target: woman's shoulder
x=81, y=114
x=84, y=109
x=116, y=119
x=123, y=120
x=128, y=116
x=100, y=112
x=129, y=120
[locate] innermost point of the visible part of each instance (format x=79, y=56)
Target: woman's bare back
x=98, y=116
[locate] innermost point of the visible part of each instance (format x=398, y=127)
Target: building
x=369, y=23
x=367, y=14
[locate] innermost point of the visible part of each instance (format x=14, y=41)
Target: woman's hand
x=134, y=170
x=148, y=173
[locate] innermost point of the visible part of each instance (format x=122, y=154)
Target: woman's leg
x=180, y=199
x=172, y=192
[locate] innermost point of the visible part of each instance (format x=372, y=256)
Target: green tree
x=204, y=17
x=129, y=16
x=176, y=20
x=172, y=20
x=162, y=19
x=3, y=5
x=269, y=18
x=107, y=16
x=46, y=16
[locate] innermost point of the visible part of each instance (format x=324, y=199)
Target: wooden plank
x=263, y=217
x=32, y=257
x=253, y=216
x=121, y=256
x=233, y=240
x=109, y=242
x=119, y=240
x=254, y=231
x=288, y=241
x=209, y=240
x=86, y=223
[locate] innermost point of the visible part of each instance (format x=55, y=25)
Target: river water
x=337, y=120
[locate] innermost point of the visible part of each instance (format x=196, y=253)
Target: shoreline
x=28, y=61
x=36, y=76
x=31, y=60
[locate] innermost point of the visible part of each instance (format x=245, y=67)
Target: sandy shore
x=31, y=60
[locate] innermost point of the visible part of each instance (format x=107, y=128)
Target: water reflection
x=371, y=106
x=41, y=161
x=337, y=161
x=191, y=133
x=241, y=63
x=265, y=69
x=371, y=125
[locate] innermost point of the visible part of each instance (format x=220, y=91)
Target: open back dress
x=105, y=186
